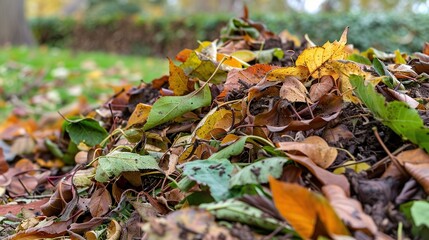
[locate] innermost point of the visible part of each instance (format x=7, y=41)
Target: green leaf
x=117, y=162
x=86, y=130
x=390, y=80
x=258, y=172
x=378, y=66
x=359, y=59
x=213, y=173
x=397, y=115
x=237, y=211
x=169, y=107
x=418, y=213
x=266, y=56
x=236, y=148
x=232, y=150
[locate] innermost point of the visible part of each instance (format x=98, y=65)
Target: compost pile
x=252, y=136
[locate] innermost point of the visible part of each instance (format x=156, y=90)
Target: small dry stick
x=393, y=158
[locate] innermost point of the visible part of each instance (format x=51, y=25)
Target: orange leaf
x=302, y=209
x=4, y=166
x=183, y=55
x=230, y=61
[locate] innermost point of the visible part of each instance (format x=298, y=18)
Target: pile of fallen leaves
x=254, y=136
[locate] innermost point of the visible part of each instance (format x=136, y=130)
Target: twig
x=391, y=156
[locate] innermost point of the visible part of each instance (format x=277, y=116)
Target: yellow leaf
x=345, y=69
x=317, y=59
x=244, y=55
x=140, y=114
x=399, y=59
x=302, y=209
x=178, y=80
x=280, y=74
x=221, y=118
x=355, y=166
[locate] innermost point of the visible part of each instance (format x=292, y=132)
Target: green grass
x=37, y=80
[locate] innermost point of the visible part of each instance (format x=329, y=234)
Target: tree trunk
x=14, y=28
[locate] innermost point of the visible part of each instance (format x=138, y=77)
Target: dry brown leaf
x=325, y=177
x=414, y=157
x=338, y=133
x=313, y=147
x=252, y=75
x=100, y=202
x=198, y=222
x=420, y=172
x=113, y=230
x=321, y=88
x=293, y=90
x=349, y=210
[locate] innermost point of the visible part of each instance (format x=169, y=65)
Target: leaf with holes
x=213, y=173
x=117, y=162
x=258, y=172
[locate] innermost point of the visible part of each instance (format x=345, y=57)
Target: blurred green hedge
x=169, y=35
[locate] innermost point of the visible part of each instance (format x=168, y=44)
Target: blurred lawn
x=37, y=80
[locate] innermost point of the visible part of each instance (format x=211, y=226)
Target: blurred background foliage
x=164, y=27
